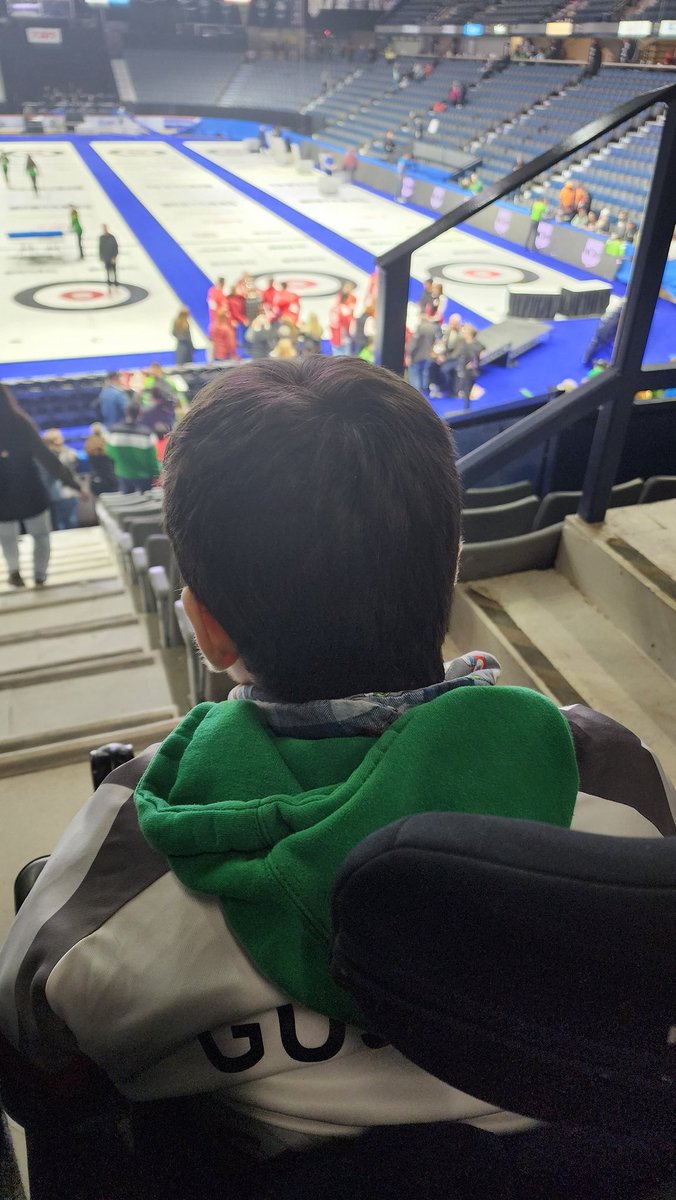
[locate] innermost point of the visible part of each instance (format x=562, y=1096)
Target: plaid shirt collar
x=368, y=715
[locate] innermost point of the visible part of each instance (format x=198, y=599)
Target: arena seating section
x=525, y=108
x=82, y=55
x=186, y=76
x=284, y=85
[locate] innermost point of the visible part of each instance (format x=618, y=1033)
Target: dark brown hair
x=314, y=509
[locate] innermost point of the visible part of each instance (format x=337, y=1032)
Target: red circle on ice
x=482, y=273
x=81, y=294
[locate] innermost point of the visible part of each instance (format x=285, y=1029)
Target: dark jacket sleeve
x=35, y=446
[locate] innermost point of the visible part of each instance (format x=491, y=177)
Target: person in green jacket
x=76, y=228
x=32, y=172
x=133, y=449
x=4, y=166
x=537, y=211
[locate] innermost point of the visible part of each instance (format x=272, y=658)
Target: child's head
x=314, y=509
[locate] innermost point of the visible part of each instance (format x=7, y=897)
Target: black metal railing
x=613, y=391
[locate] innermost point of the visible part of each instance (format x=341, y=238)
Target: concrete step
x=76, y=555
x=21, y=600
x=627, y=569
x=546, y=635
x=64, y=703
x=68, y=648
x=99, y=611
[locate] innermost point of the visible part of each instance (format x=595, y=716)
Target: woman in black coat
x=23, y=495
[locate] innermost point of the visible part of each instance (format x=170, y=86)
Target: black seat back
x=527, y=965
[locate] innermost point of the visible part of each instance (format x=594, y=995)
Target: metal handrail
x=613, y=391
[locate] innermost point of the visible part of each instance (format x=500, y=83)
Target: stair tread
x=650, y=529
x=608, y=671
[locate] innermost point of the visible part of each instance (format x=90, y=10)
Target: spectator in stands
x=519, y=162
x=628, y=51
x=467, y=363
x=538, y=209
x=180, y=330
x=433, y=126
x=259, y=337
x=389, y=144
x=581, y=217
x=341, y=317
x=582, y=197
x=108, y=252
x=458, y=94
x=224, y=337
x=24, y=500
x=567, y=202
x=439, y=107
x=475, y=184
x=594, y=58
x=76, y=228
x=606, y=329
x=4, y=166
x=419, y=353
x=216, y=300
x=604, y=221
x=592, y=223
x=620, y=226
x=131, y=446
x=32, y=172
x=112, y=400
x=102, y=470
x=315, y=513
x=159, y=408
x=63, y=497
x=630, y=232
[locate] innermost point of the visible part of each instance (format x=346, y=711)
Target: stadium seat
x=499, y=521
x=530, y=552
x=624, y=494
x=490, y=496
x=554, y=507
x=658, y=487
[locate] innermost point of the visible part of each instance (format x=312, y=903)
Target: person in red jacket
x=269, y=299
x=236, y=307
x=224, y=337
x=288, y=306
x=216, y=300
x=340, y=319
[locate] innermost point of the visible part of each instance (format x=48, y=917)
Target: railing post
x=393, y=286
x=632, y=336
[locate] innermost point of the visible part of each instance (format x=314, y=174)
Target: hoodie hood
x=263, y=821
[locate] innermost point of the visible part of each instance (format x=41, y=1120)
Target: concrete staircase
x=76, y=671
x=599, y=629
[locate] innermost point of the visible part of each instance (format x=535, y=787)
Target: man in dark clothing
x=467, y=359
x=420, y=353
x=108, y=251
x=606, y=330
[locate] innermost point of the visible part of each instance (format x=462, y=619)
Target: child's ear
x=216, y=645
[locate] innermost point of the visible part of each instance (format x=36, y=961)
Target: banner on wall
x=44, y=37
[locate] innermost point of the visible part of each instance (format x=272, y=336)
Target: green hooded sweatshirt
x=264, y=822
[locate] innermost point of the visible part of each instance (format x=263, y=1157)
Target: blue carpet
x=181, y=273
